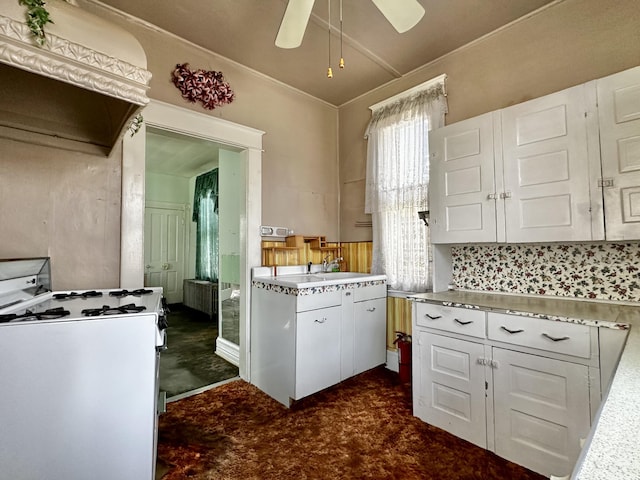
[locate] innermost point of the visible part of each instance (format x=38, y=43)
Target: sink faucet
x=328, y=266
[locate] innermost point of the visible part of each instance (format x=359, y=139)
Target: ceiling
x=179, y=155
x=245, y=30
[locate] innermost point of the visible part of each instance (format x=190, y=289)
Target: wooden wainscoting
x=356, y=255
x=398, y=319
x=276, y=253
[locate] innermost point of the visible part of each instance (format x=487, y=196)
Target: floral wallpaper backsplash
x=607, y=271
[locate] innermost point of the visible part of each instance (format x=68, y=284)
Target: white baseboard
x=392, y=360
x=227, y=350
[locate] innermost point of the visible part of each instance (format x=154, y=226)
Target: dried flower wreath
x=207, y=87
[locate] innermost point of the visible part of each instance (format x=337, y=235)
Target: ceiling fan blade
x=402, y=14
x=294, y=23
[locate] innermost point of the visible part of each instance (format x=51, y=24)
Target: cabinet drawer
x=318, y=300
x=369, y=293
x=560, y=337
x=451, y=319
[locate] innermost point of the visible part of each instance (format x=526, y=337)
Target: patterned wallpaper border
x=607, y=271
x=299, y=292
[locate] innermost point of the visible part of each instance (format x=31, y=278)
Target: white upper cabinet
x=619, y=118
x=563, y=167
x=462, y=182
x=546, y=169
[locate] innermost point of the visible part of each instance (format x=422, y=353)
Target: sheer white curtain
x=396, y=186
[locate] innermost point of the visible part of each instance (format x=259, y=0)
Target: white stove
x=79, y=376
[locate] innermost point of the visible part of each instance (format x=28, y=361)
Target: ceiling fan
x=402, y=14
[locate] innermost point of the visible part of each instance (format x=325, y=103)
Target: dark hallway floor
x=189, y=363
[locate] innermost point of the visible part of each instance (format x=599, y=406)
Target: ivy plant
x=37, y=18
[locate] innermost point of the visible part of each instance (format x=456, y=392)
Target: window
x=397, y=185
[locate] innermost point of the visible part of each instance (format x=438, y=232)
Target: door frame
x=248, y=142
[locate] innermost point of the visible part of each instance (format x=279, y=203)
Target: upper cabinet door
x=546, y=169
x=619, y=117
x=462, y=185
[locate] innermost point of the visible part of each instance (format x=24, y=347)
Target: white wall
x=167, y=188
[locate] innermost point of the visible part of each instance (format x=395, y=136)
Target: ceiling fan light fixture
x=402, y=14
x=294, y=23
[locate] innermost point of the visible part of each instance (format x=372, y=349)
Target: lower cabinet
x=529, y=405
x=304, y=343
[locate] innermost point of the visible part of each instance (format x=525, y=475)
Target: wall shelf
x=294, y=244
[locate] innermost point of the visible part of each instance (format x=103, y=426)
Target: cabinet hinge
x=605, y=182
x=487, y=362
x=486, y=385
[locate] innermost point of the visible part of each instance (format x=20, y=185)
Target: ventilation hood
x=80, y=90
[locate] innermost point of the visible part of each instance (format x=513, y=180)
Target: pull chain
x=341, y=56
x=329, y=71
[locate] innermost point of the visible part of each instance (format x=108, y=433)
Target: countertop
x=611, y=449
x=303, y=278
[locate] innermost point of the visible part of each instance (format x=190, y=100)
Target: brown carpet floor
x=360, y=429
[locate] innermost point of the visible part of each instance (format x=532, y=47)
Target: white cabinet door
x=462, y=182
x=619, y=117
x=541, y=411
x=370, y=340
x=317, y=350
x=449, y=386
x=546, y=169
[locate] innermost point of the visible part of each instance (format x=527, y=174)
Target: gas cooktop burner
x=29, y=315
x=90, y=293
x=107, y=310
x=124, y=293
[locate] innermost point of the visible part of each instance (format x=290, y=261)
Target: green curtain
x=205, y=214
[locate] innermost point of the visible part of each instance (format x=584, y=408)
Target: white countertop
x=611, y=449
x=296, y=276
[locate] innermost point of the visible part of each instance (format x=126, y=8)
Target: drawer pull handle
x=432, y=317
x=372, y=309
x=320, y=321
x=511, y=331
x=555, y=339
x=460, y=322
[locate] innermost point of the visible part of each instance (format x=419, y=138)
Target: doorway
x=187, y=220
x=243, y=142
